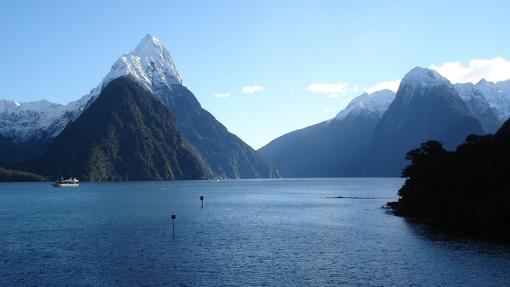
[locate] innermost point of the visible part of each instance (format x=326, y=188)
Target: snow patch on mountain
x=375, y=103
x=421, y=77
x=31, y=120
x=473, y=97
x=478, y=105
x=498, y=97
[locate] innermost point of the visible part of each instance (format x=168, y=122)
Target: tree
x=428, y=151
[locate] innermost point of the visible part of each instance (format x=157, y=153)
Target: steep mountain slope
x=125, y=134
x=226, y=154
x=426, y=106
x=333, y=148
x=223, y=152
x=477, y=104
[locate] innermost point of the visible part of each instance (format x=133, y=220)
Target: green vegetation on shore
x=466, y=188
x=12, y=175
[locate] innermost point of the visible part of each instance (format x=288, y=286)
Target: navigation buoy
x=173, y=224
x=202, y=201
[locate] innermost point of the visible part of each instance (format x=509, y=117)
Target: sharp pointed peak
x=151, y=46
x=149, y=63
x=149, y=39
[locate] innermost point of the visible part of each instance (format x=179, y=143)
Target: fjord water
x=250, y=232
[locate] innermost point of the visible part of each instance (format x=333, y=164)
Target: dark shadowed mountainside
x=126, y=134
x=12, y=150
x=328, y=149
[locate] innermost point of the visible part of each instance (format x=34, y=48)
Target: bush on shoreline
x=467, y=188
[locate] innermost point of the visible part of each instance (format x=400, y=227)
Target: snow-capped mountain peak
x=149, y=63
x=151, y=46
x=375, y=103
x=422, y=77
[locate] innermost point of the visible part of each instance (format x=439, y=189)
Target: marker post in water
x=173, y=224
x=201, y=201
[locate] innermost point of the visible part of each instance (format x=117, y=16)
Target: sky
x=263, y=68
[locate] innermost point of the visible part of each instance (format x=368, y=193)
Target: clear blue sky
x=59, y=50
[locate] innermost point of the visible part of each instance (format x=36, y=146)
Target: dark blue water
x=250, y=232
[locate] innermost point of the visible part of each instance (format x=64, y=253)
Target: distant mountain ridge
x=331, y=148
x=426, y=106
x=374, y=103
x=26, y=129
x=478, y=105
x=498, y=97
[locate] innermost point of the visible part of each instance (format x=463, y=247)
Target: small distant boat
x=70, y=182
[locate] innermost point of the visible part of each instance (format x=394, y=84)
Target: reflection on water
x=250, y=232
x=457, y=238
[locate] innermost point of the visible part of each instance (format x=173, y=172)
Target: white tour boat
x=70, y=182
